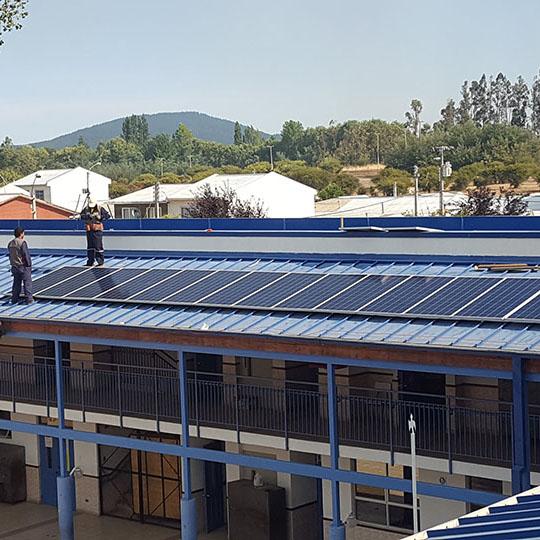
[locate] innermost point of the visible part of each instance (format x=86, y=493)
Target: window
x=40, y=194
x=5, y=433
x=131, y=213
x=383, y=508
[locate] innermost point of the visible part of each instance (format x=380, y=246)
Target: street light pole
x=441, y=150
x=271, y=158
x=416, y=175
x=33, y=206
x=412, y=431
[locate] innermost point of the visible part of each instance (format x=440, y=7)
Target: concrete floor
x=27, y=521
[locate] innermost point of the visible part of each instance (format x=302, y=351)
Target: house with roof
x=281, y=196
x=19, y=205
x=66, y=188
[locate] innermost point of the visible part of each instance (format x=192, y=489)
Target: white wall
x=282, y=197
x=68, y=189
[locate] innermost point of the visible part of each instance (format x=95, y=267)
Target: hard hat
x=92, y=202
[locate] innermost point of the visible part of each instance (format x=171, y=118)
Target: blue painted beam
x=65, y=483
x=254, y=462
x=521, y=451
x=337, y=530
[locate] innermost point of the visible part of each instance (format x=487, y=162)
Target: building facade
x=167, y=383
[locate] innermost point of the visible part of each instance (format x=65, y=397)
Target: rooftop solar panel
x=199, y=290
x=407, y=294
x=502, y=299
x=529, y=311
x=455, y=295
x=279, y=290
x=240, y=289
x=319, y=291
x=106, y=283
x=77, y=281
x=143, y=281
x=171, y=285
x=362, y=293
x=55, y=277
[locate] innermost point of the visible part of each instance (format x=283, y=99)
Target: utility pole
x=416, y=175
x=33, y=205
x=271, y=157
x=412, y=431
x=445, y=170
x=378, y=149
x=156, y=199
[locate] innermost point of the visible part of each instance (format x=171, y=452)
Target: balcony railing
x=448, y=427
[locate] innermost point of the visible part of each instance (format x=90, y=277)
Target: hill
x=203, y=126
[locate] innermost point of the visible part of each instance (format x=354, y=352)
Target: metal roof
x=466, y=335
x=516, y=517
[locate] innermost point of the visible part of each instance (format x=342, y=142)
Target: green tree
x=135, y=130
x=291, y=144
x=464, y=111
x=252, y=136
x=183, y=141
x=12, y=12
x=237, y=133
x=520, y=102
x=414, y=122
x=535, y=105
x=331, y=191
x=448, y=116
x=393, y=179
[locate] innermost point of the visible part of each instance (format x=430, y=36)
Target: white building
x=281, y=196
x=65, y=187
x=366, y=206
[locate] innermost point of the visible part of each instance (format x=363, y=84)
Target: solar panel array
x=425, y=296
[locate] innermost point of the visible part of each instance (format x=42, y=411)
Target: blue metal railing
x=448, y=427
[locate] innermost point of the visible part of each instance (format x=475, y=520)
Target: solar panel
x=145, y=280
x=105, y=283
x=203, y=288
x=278, y=290
x=54, y=277
x=240, y=289
x=407, y=294
x=170, y=286
x=529, y=311
x=454, y=296
x=360, y=294
x=320, y=291
x=502, y=299
x=78, y=281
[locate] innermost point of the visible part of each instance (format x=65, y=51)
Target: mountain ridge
x=202, y=125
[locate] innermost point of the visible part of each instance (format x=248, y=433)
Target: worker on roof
x=94, y=215
x=21, y=267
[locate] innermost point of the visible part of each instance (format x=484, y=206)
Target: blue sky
x=80, y=62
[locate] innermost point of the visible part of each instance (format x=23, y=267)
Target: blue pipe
x=65, y=483
x=521, y=452
x=337, y=530
x=188, y=504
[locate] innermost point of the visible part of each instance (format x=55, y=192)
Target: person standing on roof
x=94, y=215
x=21, y=267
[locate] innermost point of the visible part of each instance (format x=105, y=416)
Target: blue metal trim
x=334, y=441
x=184, y=419
x=255, y=462
x=60, y=405
x=360, y=362
x=521, y=451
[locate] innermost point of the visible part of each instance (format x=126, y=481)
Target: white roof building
x=366, y=206
x=65, y=187
x=281, y=196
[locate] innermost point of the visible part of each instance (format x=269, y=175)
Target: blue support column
x=65, y=483
x=188, y=511
x=521, y=444
x=337, y=529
